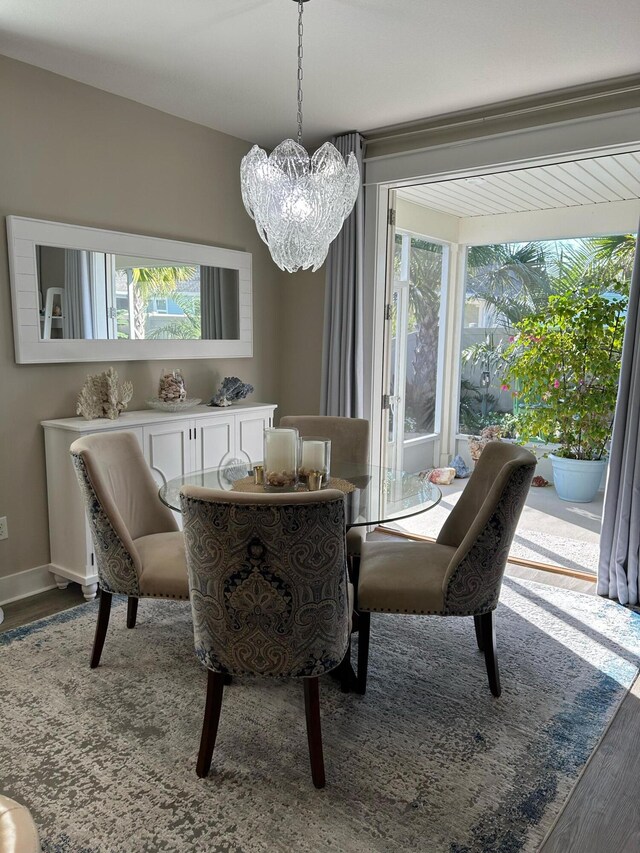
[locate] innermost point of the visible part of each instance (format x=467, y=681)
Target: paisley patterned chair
x=460, y=574
x=138, y=546
x=269, y=594
x=349, y=444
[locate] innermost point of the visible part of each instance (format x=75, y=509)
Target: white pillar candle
x=313, y=456
x=280, y=450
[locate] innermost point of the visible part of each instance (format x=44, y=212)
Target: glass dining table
x=373, y=495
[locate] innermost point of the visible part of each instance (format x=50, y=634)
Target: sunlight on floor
x=550, y=530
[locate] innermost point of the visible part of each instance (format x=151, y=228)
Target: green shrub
x=564, y=362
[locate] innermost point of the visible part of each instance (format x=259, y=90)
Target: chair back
x=267, y=580
x=482, y=525
x=122, y=503
x=349, y=436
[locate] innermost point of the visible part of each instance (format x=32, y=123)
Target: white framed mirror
x=85, y=294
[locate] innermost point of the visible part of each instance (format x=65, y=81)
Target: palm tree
x=149, y=282
x=612, y=258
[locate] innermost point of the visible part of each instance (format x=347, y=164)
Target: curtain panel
x=342, y=351
x=620, y=538
x=79, y=295
x=219, y=303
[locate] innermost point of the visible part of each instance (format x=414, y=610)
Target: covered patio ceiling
x=598, y=180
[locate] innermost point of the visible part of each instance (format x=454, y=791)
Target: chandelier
x=299, y=202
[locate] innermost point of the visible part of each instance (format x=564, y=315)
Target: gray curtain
x=219, y=304
x=620, y=539
x=78, y=292
x=342, y=353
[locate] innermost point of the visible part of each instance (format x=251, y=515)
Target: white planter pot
x=577, y=480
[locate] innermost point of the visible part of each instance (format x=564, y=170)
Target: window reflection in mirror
x=96, y=295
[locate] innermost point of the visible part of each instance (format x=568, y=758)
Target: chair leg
x=488, y=631
x=346, y=671
x=478, y=626
x=215, y=687
x=101, y=628
x=364, y=621
x=314, y=731
x=132, y=611
x=354, y=574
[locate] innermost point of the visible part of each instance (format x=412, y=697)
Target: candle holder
x=315, y=457
x=281, y=449
x=314, y=480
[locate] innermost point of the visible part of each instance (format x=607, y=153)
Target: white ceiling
x=592, y=181
x=230, y=64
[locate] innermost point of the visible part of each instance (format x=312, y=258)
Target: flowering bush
x=564, y=364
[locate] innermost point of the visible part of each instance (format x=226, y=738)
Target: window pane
x=423, y=311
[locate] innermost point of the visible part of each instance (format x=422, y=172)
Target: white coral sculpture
x=102, y=397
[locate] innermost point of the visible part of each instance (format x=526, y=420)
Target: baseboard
x=23, y=584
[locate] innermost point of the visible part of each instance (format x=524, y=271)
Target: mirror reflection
x=95, y=295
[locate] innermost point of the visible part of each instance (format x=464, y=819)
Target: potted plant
x=563, y=364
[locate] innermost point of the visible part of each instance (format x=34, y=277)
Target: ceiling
x=593, y=181
x=230, y=64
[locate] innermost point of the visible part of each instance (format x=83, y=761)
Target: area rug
x=427, y=761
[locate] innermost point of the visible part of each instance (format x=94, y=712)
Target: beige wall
x=301, y=343
x=72, y=153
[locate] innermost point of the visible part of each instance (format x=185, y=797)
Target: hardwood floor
x=39, y=606
x=600, y=816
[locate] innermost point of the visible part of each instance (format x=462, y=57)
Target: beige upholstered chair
x=460, y=574
x=269, y=594
x=139, y=549
x=18, y=833
x=349, y=444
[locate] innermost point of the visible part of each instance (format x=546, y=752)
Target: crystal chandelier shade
x=299, y=203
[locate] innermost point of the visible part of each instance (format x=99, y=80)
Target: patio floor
x=550, y=530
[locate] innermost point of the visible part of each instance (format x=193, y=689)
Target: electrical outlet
x=4, y=529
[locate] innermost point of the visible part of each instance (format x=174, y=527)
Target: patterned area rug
x=428, y=760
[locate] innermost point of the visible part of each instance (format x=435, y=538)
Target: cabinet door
x=251, y=428
x=168, y=448
x=214, y=439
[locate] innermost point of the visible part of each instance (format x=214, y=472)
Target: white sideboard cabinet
x=172, y=443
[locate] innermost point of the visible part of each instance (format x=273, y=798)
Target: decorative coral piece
x=102, y=397
x=460, y=467
x=230, y=390
x=477, y=444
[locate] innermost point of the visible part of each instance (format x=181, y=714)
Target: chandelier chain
x=300, y=10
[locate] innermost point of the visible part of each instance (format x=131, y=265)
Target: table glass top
x=380, y=494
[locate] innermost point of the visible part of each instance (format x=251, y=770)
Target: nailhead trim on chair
x=477, y=612
x=158, y=595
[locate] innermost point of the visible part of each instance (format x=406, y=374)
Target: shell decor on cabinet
x=173, y=444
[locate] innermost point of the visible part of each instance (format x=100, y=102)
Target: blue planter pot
x=577, y=480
